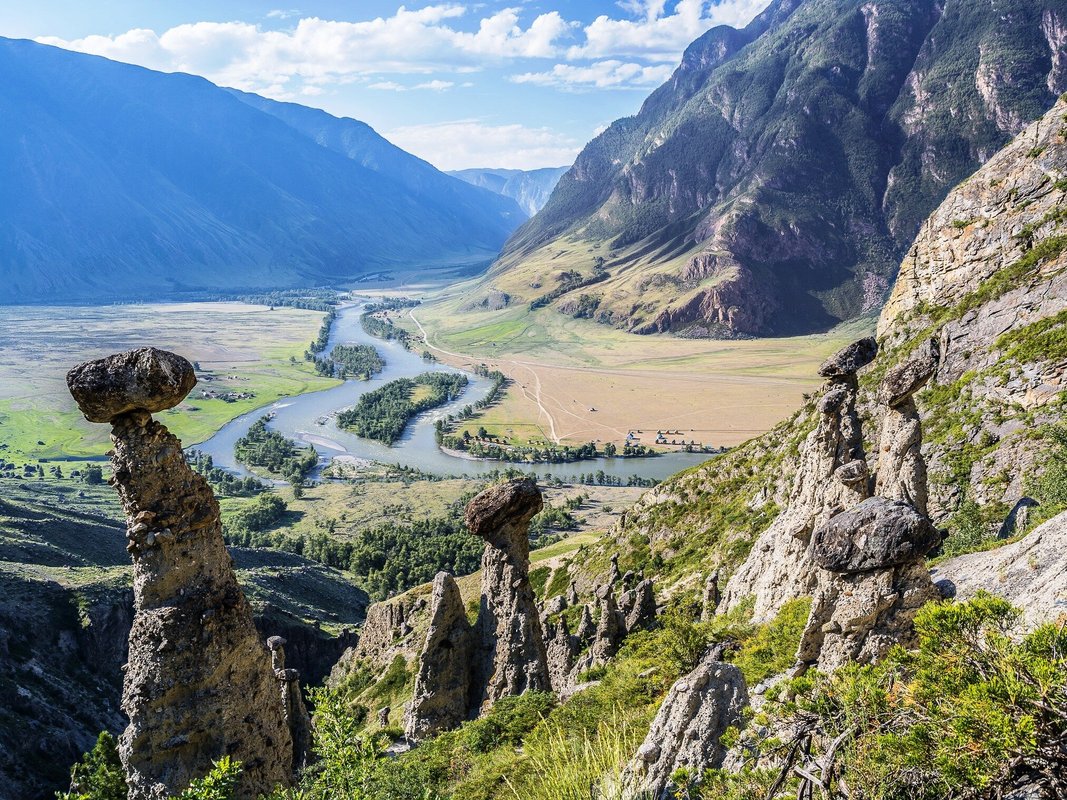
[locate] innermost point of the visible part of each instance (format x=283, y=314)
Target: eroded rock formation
x=441, y=699
x=832, y=476
x=199, y=683
x=296, y=713
x=696, y=712
x=870, y=560
x=510, y=643
x=901, y=466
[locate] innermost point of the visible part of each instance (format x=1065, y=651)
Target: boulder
x=905, y=379
x=138, y=380
x=851, y=359
x=876, y=534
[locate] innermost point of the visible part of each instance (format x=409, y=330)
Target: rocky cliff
x=979, y=314
x=773, y=184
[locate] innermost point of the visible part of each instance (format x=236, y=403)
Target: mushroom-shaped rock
x=851, y=359
x=510, y=642
x=503, y=508
x=905, y=379
x=876, y=534
x=147, y=380
x=199, y=681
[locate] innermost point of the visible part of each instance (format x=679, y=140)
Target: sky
x=519, y=84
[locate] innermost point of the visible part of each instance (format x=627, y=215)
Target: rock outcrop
x=694, y=715
x=442, y=694
x=510, y=644
x=1031, y=573
x=711, y=598
x=199, y=683
x=831, y=477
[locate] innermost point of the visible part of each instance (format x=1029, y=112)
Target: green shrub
x=99, y=775
x=974, y=707
x=219, y=784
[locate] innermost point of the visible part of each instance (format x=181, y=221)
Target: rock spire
x=199, y=684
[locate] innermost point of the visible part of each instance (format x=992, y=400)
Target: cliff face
x=773, y=184
x=980, y=312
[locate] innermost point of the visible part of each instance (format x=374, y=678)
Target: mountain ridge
x=107, y=195
x=771, y=186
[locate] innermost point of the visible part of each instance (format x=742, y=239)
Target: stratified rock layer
x=199, y=683
x=685, y=733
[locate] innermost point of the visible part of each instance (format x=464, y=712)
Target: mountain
x=986, y=279
x=529, y=188
x=118, y=182
x=772, y=185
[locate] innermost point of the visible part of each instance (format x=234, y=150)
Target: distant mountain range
x=772, y=185
x=529, y=188
x=117, y=182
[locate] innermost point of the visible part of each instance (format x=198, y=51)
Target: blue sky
x=521, y=84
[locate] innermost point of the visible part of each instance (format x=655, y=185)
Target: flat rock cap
x=511, y=503
x=851, y=359
x=147, y=379
x=877, y=534
x=905, y=379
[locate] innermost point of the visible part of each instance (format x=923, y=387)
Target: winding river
x=311, y=418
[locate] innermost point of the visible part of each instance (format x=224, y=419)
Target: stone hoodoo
x=510, y=644
x=296, y=713
x=831, y=477
x=901, y=466
x=199, y=683
x=697, y=711
x=871, y=571
x=638, y=606
x=441, y=699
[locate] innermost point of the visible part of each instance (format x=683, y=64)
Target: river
x=311, y=418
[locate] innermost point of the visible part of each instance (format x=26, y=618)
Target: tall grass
x=563, y=764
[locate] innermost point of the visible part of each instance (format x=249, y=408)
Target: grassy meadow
x=575, y=380
x=240, y=348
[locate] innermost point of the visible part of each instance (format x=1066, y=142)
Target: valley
x=727, y=463
x=576, y=381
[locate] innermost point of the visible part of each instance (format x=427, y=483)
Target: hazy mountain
x=120, y=182
x=773, y=183
x=529, y=188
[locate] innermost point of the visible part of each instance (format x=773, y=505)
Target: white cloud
x=393, y=86
x=462, y=144
x=283, y=13
x=657, y=35
x=610, y=74
x=317, y=51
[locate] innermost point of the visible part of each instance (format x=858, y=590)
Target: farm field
x=578, y=381
x=250, y=351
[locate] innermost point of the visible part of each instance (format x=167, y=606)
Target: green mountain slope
x=773, y=184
